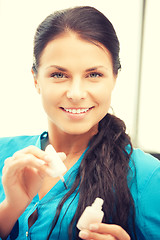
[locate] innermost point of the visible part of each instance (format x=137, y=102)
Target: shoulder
x=144, y=167
x=144, y=163
x=146, y=192
x=9, y=145
x=18, y=139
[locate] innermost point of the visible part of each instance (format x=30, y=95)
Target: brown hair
x=104, y=169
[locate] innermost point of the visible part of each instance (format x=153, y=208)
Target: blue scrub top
x=145, y=190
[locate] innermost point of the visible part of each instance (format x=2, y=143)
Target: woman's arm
x=8, y=218
x=22, y=178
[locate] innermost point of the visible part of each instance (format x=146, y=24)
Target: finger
x=86, y=234
x=5, y=164
x=115, y=230
x=20, y=160
x=7, y=160
x=24, y=160
x=31, y=150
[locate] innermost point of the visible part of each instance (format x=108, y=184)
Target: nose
x=76, y=91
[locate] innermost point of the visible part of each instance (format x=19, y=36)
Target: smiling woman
x=76, y=54
x=76, y=86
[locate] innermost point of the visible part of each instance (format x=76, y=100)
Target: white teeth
x=76, y=110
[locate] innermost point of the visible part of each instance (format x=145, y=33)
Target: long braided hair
x=103, y=172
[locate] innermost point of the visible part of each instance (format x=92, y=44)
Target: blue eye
x=95, y=75
x=58, y=75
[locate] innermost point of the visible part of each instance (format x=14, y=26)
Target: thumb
x=62, y=155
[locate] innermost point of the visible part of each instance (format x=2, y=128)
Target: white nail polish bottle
x=91, y=214
x=57, y=167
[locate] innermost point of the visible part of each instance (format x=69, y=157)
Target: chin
x=82, y=130
x=76, y=132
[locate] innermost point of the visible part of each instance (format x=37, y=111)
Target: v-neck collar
x=69, y=176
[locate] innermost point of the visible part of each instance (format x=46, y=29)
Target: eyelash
x=53, y=75
x=62, y=75
x=95, y=73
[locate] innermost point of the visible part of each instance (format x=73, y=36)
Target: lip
x=76, y=116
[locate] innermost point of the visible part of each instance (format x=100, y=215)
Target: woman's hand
x=103, y=231
x=22, y=178
x=23, y=175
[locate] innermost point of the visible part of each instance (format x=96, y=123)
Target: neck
x=67, y=143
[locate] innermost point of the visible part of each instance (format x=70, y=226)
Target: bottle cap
x=57, y=167
x=98, y=202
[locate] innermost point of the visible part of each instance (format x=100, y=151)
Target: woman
x=76, y=63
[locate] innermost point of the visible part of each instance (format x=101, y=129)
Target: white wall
x=149, y=115
x=21, y=111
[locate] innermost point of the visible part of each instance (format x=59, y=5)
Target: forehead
x=70, y=46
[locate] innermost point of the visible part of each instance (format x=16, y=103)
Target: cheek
x=105, y=97
x=50, y=92
x=49, y=97
x=104, y=103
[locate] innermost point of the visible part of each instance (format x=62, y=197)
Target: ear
x=114, y=80
x=36, y=82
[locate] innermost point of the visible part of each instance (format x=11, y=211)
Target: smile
x=76, y=110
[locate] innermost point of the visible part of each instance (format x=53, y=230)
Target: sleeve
x=149, y=207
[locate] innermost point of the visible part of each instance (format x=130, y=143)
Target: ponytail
x=103, y=173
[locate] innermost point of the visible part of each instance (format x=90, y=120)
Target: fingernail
x=83, y=234
x=93, y=227
x=41, y=162
x=46, y=157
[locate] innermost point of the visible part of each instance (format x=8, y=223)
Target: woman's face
x=75, y=79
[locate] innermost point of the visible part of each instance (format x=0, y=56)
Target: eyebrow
x=66, y=70
x=94, y=68
x=58, y=67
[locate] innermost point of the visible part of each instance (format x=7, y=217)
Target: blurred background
x=136, y=97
